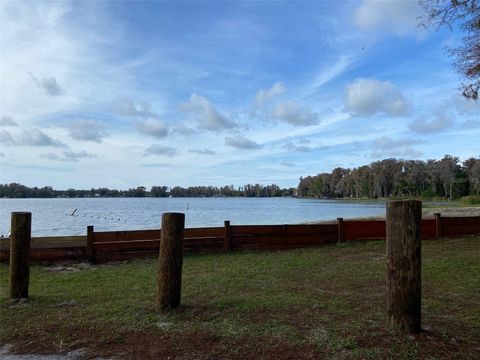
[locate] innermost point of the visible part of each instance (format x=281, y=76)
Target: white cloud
x=7, y=121
x=292, y=113
x=264, y=96
x=396, y=16
x=440, y=122
x=202, y=152
x=184, y=130
x=206, y=115
x=87, y=130
x=69, y=156
x=291, y=146
x=366, y=97
x=287, y=164
x=152, y=127
x=161, y=150
x=30, y=137
x=241, y=142
x=328, y=73
x=6, y=138
x=387, y=147
x=131, y=109
x=49, y=85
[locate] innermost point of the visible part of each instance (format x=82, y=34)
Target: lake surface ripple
x=51, y=217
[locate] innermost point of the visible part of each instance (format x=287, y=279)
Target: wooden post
x=341, y=237
x=438, y=225
x=170, y=261
x=228, y=230
x=90, y=246
x=20, y=240
x=404, y=265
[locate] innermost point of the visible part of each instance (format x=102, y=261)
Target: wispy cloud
x=206, y=115
x=264, y=96
x=396, y=16
x=131, y=109
x=202, y=151
x=365, y=97
x=50, y=85
x=440, y=121
x=69, y=156
x=241, y=142
x=153, y=127
x=386, y=147
x=287, y=164
x=291, y=113
x=87, y=130
x=30, y=137
x=161, y=150
x=7, y=121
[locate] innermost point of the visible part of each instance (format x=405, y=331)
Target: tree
x=440, y=13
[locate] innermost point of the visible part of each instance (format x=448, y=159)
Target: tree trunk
x=170, y=261
x=20, y=238
x=404, y=265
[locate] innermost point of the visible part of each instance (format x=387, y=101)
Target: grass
x=470, y=200
x=325, y=302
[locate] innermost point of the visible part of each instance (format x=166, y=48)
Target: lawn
x=315, y=303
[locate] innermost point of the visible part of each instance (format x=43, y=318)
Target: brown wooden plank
x=112, y=236
x=362, y=230
x=281, y=229
x=59, y=254
x=273, y=240
x=428, y=229
x=4, y=244
x=365, y=223
x=47, y=242
x=472, y=220
x=204, y=232
x=460, y=230
x=205, y=248
x=4, y=255
x=138, y=245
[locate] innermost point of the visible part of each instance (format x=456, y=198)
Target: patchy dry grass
x=325, y=302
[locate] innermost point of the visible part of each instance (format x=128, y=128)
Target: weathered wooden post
x=170, y=261
x=227, y=234
x=438, y=225
x=404, y=265
x=341, y=236
x=20, y=238
x=90, y=251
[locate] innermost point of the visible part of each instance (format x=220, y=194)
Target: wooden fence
x=101, y=246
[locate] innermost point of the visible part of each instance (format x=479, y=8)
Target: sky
x=129, y=93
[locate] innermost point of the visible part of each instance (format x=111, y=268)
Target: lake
x=51, y=217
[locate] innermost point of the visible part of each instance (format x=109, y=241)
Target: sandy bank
x=427, y=213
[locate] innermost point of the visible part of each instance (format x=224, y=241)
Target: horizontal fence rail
x=104, y=246
x=51, y=248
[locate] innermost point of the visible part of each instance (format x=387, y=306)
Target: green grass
x=325, y=302
x=470, y=200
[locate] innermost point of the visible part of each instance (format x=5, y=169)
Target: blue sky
x=124, y=94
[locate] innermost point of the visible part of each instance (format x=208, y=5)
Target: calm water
x=52, y=216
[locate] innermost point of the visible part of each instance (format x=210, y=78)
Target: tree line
x=16, y=190
x=447, y=178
